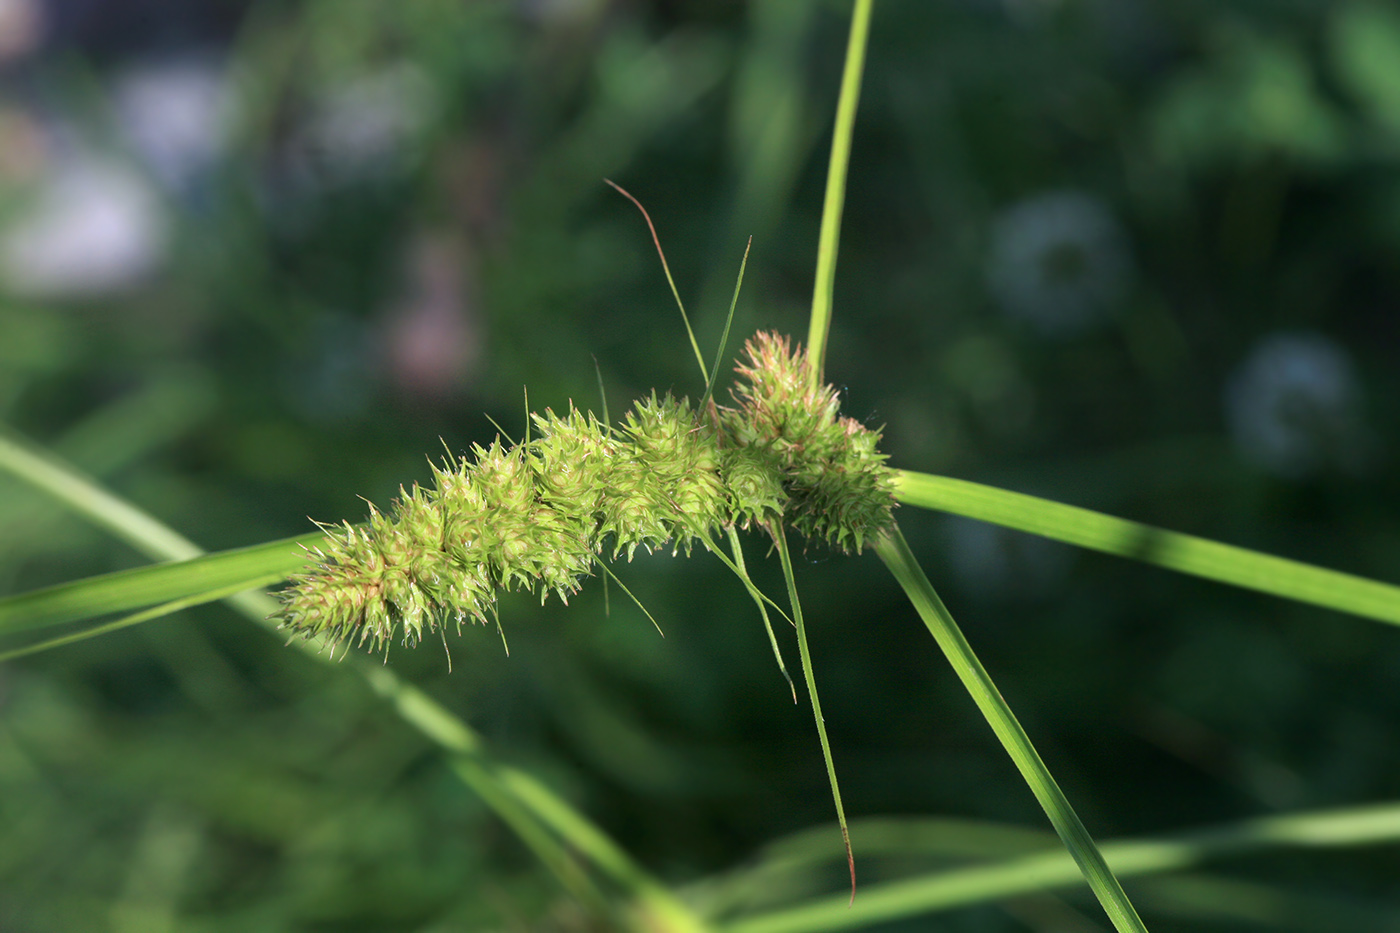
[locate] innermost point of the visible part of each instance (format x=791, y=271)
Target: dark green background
x=1249, y=154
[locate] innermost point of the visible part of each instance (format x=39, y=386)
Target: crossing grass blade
x=194, y=581
x=1034, y=868
x=1183, y=553
x=136, y=618
x=819, y=327
x=894, y=551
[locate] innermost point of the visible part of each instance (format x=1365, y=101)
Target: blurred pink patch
x=21, y=28
x=23, y=147
x=433, y=336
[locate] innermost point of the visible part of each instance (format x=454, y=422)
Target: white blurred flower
x=93, y=226
x=366, y=127
x=1059, y=262
x=176, y=114
x=1294, y=406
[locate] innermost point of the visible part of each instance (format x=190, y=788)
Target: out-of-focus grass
x=284, y=358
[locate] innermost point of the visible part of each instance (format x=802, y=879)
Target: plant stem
x=1199, y=557
x=837, y=167
x=1033, y=872
x=780, y=541
x=894, y=551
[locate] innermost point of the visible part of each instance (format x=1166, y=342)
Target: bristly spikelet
x=539, y=516
x=837, y=484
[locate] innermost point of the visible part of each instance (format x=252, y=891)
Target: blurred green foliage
x=1069, y=225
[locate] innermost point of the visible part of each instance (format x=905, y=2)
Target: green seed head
x=538, y=516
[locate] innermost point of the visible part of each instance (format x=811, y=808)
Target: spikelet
x=539, y=516
x=836, y=482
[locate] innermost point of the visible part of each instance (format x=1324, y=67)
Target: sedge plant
x=546, y=513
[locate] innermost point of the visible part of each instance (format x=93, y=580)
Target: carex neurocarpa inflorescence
x=540, y=515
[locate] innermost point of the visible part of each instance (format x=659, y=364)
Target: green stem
x=836, y=171
x=894, y=551
x=1037, y=872
x=1199, y=557
x=780, y=540
x=742, y=572
x=198, y=580
x=116, y=625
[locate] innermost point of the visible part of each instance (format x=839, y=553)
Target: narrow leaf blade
x=128, y=590
x=1201, y=557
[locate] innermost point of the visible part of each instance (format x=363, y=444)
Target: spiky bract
x=538, y=516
